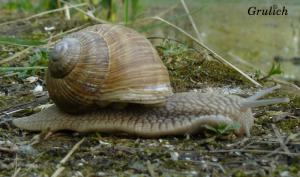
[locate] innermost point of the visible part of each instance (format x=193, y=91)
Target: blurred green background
x=249, y=42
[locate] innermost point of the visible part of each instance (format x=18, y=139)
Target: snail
x=109, y=64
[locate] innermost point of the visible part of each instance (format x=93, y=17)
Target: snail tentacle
x=253, y=101
x=263, y=93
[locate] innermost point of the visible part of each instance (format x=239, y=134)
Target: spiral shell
x=106, y=63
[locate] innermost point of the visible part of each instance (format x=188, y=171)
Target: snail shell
x=103, y=64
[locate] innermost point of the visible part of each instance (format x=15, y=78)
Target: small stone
x=78, y=174
x=285, y=174
x=214, y=159
x=174, y=156
x=100, y=173
x=38, y=88
x=237, y=153
x=194, y=173
x=262, y=172
x=80, y=164
x=27, y=150
x=104, y=143
x=31, y=79
x=50, y=28
x=187, y=158
x=297, y=112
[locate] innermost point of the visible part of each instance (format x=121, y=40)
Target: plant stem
x=126, y=11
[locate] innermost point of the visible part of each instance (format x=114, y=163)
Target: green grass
x=126, y=12
x=19, y=41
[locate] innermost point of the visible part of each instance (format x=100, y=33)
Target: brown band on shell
x=137, y=74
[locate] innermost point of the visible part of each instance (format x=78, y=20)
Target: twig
x=60, y=168
x=283, y=82
x=191, y=20
x=16, y=55
x=282, y=144
x=43, y=13
x=58, y=171
x=91, y=16
x=20, y=106
x=49, y=44
x=241, y=142
x=240, y=60
x=22, y=68
x=150, y=169
x=13, y=112
x=171, y=39
x=221, y=59
x=149, y=20
x=271, y=153
x=74, y=148
x=252, y=151
x=67, y=12
x=217, y=165
x=10, y=150
x=288, y=140
x=66, y=32
x=16, y=172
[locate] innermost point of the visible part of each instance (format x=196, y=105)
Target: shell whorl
x=86, y=67
x=103, y=64
x=64, y=57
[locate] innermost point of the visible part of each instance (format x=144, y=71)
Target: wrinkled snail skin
x=106, y=64
x=183, y=113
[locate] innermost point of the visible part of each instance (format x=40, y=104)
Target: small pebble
x=38, y=88
x=285, y=174
x=31, y=79
x=297, y=112
x=27, y=150
x=174, y=156
x=214, y=159
x=50, y=28
x=78, y=174
x=100, y=173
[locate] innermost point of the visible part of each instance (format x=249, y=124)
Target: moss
x=189, y=68
x=9, y=101
x=289, y=125
x=263, y=123
x=239, y=174
x=292, y=169
x=295, y=102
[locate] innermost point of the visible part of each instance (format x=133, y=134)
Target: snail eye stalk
x=253, y=101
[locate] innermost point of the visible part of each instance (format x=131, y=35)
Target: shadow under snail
x=106, y=64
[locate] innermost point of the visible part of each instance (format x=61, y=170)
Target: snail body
x=105, y=64
x=183, y=113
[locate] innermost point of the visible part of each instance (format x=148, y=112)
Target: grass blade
x=4, y=69
x=126, y=12
x=213, y=53
x=191, y=19
x=18, y=41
